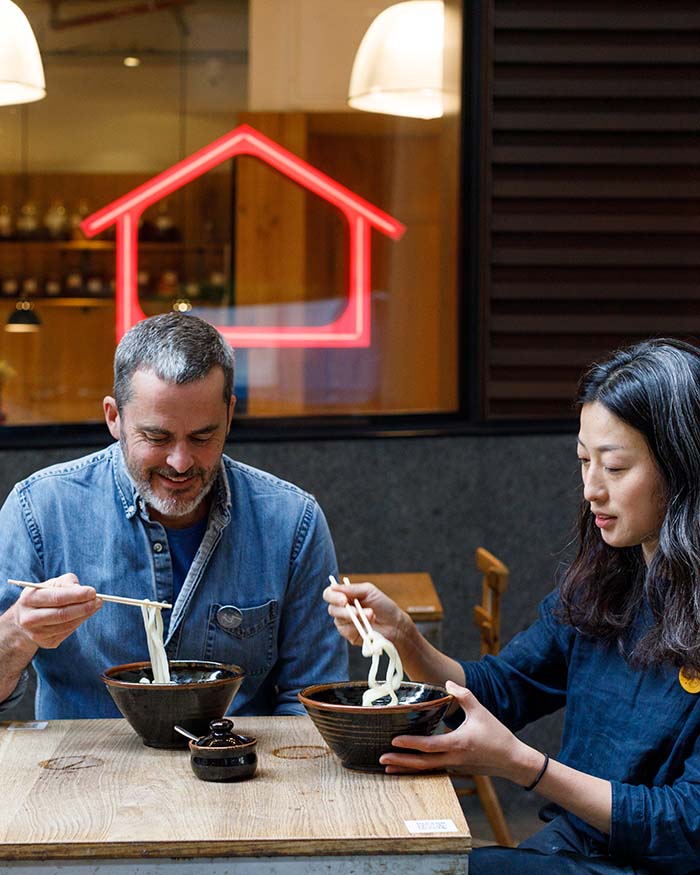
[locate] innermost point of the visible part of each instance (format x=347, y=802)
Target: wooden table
x=85, y=796
x=415, y=593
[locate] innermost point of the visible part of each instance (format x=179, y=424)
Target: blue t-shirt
x=184, y=544
x=637, y=728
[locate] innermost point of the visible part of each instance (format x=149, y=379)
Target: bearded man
x=163, y=514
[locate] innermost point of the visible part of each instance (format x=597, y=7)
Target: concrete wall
x=425, y=504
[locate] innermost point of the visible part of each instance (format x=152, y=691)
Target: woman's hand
x=384, y=614
x=481, y=745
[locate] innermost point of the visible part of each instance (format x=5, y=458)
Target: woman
x=617, y=643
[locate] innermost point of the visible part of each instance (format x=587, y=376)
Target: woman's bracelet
x=539, y=775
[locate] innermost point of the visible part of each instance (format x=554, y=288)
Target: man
x=241, y=555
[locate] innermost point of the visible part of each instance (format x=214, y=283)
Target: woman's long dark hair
x=655, y=388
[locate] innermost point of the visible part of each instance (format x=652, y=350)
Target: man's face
x=172, y=436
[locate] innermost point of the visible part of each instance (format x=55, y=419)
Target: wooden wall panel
x=592, y=203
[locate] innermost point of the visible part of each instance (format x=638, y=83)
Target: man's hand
x=47, y=616
x=41, y=618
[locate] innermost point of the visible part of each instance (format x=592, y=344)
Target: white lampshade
x=21, y=70
x=398, y=66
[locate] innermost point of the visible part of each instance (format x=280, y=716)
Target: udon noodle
x=374, y=645
x=153, y=624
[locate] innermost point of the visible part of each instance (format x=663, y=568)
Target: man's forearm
x=16, y=652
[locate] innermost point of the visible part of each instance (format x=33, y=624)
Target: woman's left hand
x=481, y=745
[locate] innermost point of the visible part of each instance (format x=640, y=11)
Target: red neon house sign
x=351, y=328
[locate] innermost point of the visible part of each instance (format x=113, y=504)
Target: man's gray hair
x=177, y=348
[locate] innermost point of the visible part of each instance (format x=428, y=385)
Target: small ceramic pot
x=223, y=755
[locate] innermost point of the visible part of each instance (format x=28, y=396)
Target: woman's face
x=621, y=480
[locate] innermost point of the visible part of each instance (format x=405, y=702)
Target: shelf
x=58, y=301
x=109, y=245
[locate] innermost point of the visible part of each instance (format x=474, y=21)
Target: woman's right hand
x=383, y=613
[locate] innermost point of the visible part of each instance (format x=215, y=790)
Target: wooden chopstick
x=120, y=600
x=351, y=611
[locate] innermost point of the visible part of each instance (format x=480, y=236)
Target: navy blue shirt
x=637, y=728
x=184, y=544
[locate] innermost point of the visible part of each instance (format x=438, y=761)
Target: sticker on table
x=420, y=827
x=31, y=725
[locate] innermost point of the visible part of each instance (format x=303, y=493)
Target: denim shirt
x=252, y=596
x=637, y=728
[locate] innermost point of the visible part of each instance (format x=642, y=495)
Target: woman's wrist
x=528, y=767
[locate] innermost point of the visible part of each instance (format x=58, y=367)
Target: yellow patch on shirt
x=689, y=684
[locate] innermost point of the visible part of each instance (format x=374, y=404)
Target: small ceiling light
x=23, y=318
x=398, y=66
x=182, y=305
x=21, y=70
x=132, y=61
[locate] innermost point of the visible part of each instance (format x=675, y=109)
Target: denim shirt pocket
x=243, y=636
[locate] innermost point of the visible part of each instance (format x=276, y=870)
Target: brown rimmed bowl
x=358, y=736
x=202, y=692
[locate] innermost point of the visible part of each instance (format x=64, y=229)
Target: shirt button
x=157, y=547
x=229, y=617
x=130, y=508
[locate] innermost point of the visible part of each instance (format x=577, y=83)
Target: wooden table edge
x=455, y=844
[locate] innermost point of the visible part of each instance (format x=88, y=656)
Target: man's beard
x=168, y=506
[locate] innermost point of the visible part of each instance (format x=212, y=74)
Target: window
x=242, y=244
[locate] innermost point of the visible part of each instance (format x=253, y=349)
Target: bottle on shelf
x=165, y=229
x=30, y=287
x=147, y=230
x=192, y=290
x=81, y=212
x=28, y=221
x=95, y=285
x=143, y=281
x=74, y=284
x=7, y=223
x=52, y=286
x=214, y=289
x=168, y=284
x=9, y=287
x=56, y=221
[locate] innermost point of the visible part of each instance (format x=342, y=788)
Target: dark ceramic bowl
x=223, y=755
x=202, y=692
x=358, y=736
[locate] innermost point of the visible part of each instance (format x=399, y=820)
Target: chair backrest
x=487, y=615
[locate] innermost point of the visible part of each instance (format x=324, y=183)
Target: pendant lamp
x=398, y=66
x=21, y=70
x=23, y=319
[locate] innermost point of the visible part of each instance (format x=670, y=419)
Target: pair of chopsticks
x=121, y=600
x=367, y=630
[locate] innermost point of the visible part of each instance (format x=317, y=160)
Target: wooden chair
x=487, y=618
